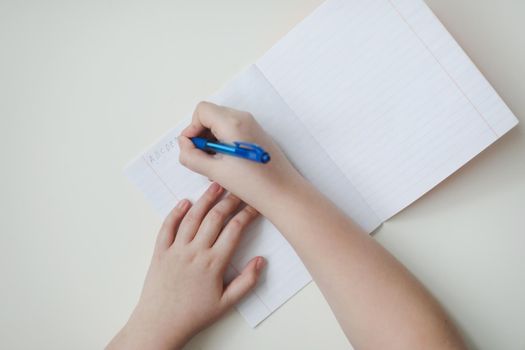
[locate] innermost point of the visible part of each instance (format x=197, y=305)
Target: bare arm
x=377, y=302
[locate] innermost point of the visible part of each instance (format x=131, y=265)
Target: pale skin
x=377, y=302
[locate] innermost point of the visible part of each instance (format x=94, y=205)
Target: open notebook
x=381, y=95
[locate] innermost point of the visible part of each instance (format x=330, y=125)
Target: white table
x=86, y=85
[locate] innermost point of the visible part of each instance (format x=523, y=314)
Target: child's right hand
x=254, y=183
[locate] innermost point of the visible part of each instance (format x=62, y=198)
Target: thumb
x=243, y=283
x=194, y=158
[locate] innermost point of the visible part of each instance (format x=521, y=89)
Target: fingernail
x=182, y=204
x=260, y=264
x=215, y=187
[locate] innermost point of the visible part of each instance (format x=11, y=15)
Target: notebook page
x=250, y=91
x=388, y=93
x=158, y=174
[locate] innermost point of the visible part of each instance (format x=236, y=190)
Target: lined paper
x=372, y=100
x=389, y=95
x=164, y=181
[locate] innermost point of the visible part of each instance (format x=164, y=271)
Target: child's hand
x=184, y=290
x=254, y=183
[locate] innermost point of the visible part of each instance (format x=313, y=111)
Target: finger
x=171, y=224
x=245, y=282
x=231, y=235
x=193, y=219
x=194, y=158
x=214, y=221
x=207, y=115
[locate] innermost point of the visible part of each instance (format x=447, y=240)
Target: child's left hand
x=184, y=290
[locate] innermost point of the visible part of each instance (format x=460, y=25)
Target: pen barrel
x=221, y=148
x=240, y=149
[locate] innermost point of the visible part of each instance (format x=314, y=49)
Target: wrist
x=277, y=199
x=143, y=331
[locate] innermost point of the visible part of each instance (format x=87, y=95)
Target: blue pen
x=244, y=150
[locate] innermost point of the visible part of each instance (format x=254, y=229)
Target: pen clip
x=248, y=146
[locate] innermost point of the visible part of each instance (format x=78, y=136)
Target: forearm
x=378, y=303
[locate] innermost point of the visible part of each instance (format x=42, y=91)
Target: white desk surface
x=86, y=85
